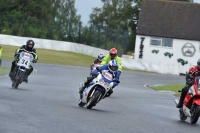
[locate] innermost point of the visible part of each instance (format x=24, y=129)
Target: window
x=158, y=41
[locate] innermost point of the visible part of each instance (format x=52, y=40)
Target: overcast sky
x=84, y=8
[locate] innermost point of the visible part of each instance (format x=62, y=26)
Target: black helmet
x=198, y=63
x=30, y=45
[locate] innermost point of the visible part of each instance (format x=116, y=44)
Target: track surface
x=48, y=104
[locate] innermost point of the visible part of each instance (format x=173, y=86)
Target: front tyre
x=93, y=100
x=195, y=111
x=16, y=83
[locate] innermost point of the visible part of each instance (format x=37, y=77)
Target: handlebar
x=99, y=69
x=194, y=72
x=116, y=81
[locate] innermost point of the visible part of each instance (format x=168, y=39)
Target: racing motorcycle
x=97, y=89
x=191, y=105
x=23, y=64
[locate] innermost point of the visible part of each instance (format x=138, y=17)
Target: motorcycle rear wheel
x=93, y=100
x=195, y=112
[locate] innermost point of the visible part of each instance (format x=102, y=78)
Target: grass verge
x=4, y=70
x=56, y=57
x=170, y=87
x=52, y=56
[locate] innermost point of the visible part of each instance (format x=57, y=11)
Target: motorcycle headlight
x=101, y=81
x=107, y=85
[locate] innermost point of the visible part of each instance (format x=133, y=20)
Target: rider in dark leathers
x=29, y=47
x=97, y=61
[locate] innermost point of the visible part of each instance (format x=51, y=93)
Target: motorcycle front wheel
x=93, y=100
x=195, y=111
x=16, y=83
x=16, y=80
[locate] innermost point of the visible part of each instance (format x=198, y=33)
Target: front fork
x=19, y=74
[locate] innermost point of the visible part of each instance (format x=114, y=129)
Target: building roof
x=170, y=19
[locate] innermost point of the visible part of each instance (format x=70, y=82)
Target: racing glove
x=113, y=84
x=34, y=61
x=189, y=78
x=94, y=74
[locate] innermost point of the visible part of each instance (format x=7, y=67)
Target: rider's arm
x=105, y=60
x=104, y=67
x=117, y=75
x=19, y=50
x=34, y=55
x=119, y=63
x=190, y=76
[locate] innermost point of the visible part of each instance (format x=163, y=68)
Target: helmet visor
x=113, y=55
x=100, y=57
x=198, y=64
x=30, y=45
x=114, y=68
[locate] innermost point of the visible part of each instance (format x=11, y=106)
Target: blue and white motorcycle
x=23, y=64
x=97, y=89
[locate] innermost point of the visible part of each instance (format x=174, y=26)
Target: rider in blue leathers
x=111, y=67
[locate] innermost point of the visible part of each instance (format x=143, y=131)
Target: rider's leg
x=86, y=82
x=12, y=68
x=183, y=94
x=28, y=73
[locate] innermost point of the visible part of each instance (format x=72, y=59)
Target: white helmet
x=100, y=56
x=113, y=65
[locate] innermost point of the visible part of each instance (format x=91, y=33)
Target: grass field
x=52, y=56
x=4, y=70
x=171, y=87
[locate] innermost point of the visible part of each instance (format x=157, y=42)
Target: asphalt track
x=48, y=104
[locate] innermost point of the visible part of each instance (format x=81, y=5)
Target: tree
x=52, y=19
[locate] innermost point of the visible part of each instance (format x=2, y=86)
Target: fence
x=93, y=35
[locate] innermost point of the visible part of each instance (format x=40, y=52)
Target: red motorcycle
x=191, y=105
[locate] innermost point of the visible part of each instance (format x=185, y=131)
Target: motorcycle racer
x=112, y=56
x=97, y=61
x=30, y=48
x=111, y=67
x=190, y=76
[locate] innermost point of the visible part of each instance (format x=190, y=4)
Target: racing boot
x=26, y=76
x=180, y=104
x=10, y=74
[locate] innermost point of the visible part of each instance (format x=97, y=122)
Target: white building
x=170, y=34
